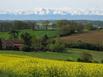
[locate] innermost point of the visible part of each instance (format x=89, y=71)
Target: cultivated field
x=90, y=37
x=25, y=66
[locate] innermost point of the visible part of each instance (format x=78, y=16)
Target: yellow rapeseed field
x=25, y=66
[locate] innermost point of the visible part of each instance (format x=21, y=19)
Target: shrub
x=69, y=60
x=85, y=57
x=95, y=61
x=84, y=45
x=56, y=46
x=101, y=61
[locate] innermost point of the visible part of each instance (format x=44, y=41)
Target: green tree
x=68, y=27
x=27, y=41
x=19, y=25
x=44, y=42
x=89, y=27
x=86, y=57
x=14, y=34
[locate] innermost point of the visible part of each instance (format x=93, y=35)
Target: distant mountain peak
x=52, y=14
x=60, y=11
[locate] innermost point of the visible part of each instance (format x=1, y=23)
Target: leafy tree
x=14, y=34
x=19, y=25
x=5, y=26
x=27, y=41
x=64, y=28
x=69, y=27
x=44, y=42
x=37, y=44
x=79, y=28
x=89, y=27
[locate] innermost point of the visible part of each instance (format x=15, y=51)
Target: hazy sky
x=30, y=4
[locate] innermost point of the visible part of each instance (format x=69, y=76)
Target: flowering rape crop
x=25, y=66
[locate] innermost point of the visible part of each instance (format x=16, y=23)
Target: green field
x=71, y=54
x=23, y=64
x=39, y=33
x=4, y=35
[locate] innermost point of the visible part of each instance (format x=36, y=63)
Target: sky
x=31, y=4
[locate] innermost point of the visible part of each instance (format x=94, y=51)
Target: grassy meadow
x=33, y=33
x=70, y=54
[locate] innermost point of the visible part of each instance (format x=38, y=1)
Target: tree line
x=6, y=26
x=63, y=25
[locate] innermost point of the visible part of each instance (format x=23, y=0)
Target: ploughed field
x=19, y=65
x=93, y=37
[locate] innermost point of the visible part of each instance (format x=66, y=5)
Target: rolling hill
x=12, y=65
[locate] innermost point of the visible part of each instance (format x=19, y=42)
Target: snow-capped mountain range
x=52, y=14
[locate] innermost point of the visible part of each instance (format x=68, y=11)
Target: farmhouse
x=12, y=44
